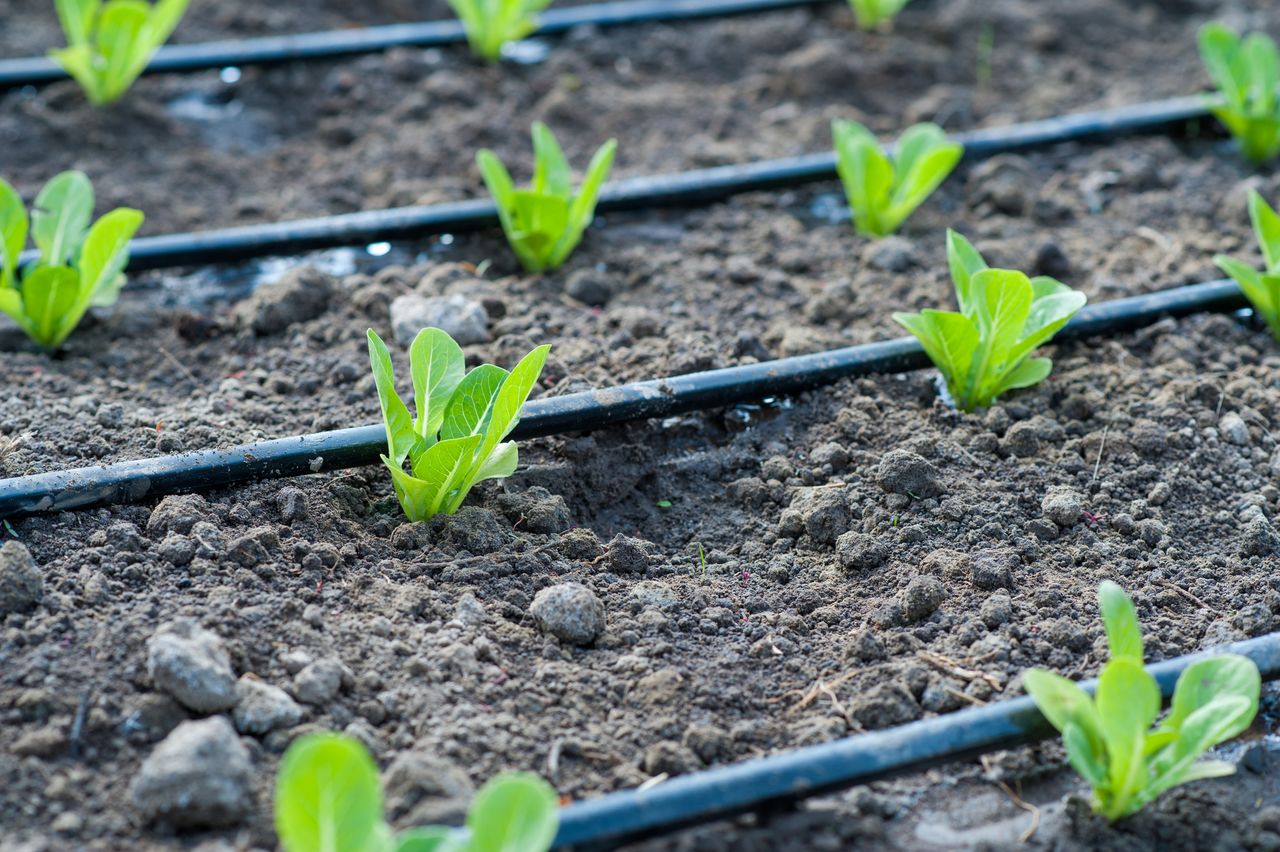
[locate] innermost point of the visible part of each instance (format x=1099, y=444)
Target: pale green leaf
x=105, y=254
x=401, y=436
x=13, y=233
x=471, y=405
x=1120, y=619
x=437, y=363
x=1266, y=224
x=964, y=262
x=49, y=293
x=60, y=217
x=550, y=168
x=513, y=813
x=328, y=797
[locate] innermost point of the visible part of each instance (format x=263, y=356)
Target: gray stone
x=261, y=707
x=178, y=513
x=423, y=787
x=464, y=320
x=996, y=610
x=1259, y=538
x=1234, y=430
x=904, y=472
x=890, y=254
x=859, y=551
x=189, y=663
x=1062, y=506
x=301, y=294
x=626, y=555
x=319, y=682
x=21, y=584
x=569, y=611
x=589, y=287
x=197, y=777
x=922, y=596
x=993, y=569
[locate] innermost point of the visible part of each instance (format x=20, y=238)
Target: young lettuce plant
x=1262, y=289
x=882, y=190
x=1109, y=739
x=545, y=222
x=79, y=266
x=456, y=440
x=490, y=24
x=1247, y=74
x=982, y=351
x=328, y=798
x=109, y=44
x=876, y=14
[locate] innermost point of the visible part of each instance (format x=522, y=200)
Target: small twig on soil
x=835, y=702
x=181, y=366
x=946, y=665
x=1026, y=806
x=964, y=696
x=819, y=688
x=1102, y=448
x=1195, y=600
x=653, y=782
x=77, y=726
x=553, y=759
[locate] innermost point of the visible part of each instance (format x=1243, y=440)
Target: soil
x=843, y=585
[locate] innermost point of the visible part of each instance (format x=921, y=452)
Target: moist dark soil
x=403, y=128
x=772, y=575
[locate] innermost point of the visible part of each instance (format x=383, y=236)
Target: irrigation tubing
x=699, y=186
x=772, y=782
x=35, y=70
x=345, y=448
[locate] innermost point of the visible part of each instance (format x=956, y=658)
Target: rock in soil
x=569, y=611
x=189, y=663
x=21, y=584
x=905, y=472
x=319, y=682
x=261, y=707
x=197, y=777
x=465, y=321
x=301, y=294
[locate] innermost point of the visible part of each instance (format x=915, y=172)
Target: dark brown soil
x=1157, y=446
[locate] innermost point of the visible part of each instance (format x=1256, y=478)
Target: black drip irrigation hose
x=771, y=782
x=700, y=186
x=35, y=70
x=345, y=448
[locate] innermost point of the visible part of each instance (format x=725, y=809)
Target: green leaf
x=471, y=405
x=924, y=160
x=49, y=293
x=443, y=468
x=105, y=253
x=867, y=175
x=583, y=209
x=121, y=44
x=1215, y=722
x=11, y=304
x=875, y=14
x=965, y=262
x=1001, y=302
x=416, y=496
x=1203, y=681
x=438, y=365
x=1218, y=49
x=550, y=168
x=328, y=797
x=1030, y=372
x=501, y=463
x=1266, y=224
x=1256, y=290
x=1120, y=619
x=401, y=436
x=1064, y=703
x=13, y=233
x=539, y=222
x=1128, y=701
x=949, y=339
x=510, y=398
x=77, y=17
x=516, y=812
x=1081, y=754
x=436, y=838
x=61, y=216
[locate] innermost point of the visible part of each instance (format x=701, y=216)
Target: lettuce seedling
x=1247, y=74
x=109, y=44
x=456, y=440
x=328, y=798
x=1109, y=739
x=79, y=266
x=884, y=190
x=545, y=222
x=982, y=351
x=1262, y=289
x=490, y=24
x=876, y=14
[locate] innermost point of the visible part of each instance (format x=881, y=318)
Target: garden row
x=856, y=553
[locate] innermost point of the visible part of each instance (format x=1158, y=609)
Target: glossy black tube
x=769, y=782
x=207, y=469
x=700, y=186
x=33, y=70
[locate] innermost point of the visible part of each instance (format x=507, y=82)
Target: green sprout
x=109, y=44
x=1262, y=289
x=545, y=222
x=79, y=266
x=1247, y=74
x=982, y=350
x=490, y=24
x=884, y=190
x=876, y=14
x=456, y=440
x=328, y=798
x=1109, y=739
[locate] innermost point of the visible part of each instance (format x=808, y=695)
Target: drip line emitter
x=273, y=50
